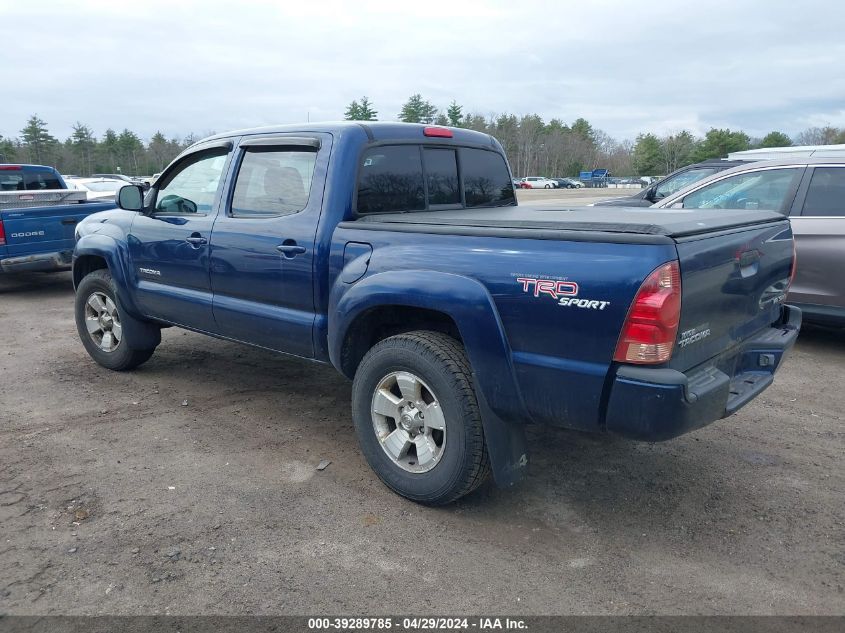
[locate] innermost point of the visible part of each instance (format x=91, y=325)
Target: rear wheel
x=100, y=323
x=417, y=417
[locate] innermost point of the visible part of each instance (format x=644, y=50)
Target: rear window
x=401, y=178
x=487, y=182
x=28, y=179
x=391, y=179
x=441, y=171
x=826, y=195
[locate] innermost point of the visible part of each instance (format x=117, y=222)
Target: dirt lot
x=189, y=486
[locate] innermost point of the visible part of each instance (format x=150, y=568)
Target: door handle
x=290, y=249
x=196, y=240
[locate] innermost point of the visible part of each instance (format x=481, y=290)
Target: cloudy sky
x=652, y=65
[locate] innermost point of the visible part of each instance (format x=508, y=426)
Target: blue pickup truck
x=38, y=215
x=397, y=253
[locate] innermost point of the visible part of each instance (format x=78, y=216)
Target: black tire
x=124, y=356
x=440, y=362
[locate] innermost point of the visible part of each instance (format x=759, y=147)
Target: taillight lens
x=2, y=234
x=651, y=326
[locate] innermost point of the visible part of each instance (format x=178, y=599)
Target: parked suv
x=675, y=181
x=811, y=191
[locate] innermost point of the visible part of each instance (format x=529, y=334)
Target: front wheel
x=417, y=417
x=100, y=322
x=547, y=187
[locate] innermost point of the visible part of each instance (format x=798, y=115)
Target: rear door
x=169, y=244
x=818, y=221
x=262, y=246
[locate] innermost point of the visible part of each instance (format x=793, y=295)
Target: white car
x=538, y=182
x=96, y=188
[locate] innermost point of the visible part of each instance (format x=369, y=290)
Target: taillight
x=2, y=234
x=651, y=326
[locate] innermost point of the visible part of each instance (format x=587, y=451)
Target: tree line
x=534, y=146
x=83, y=154
x=555, y=148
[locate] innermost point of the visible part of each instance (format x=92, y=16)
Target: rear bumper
x=659, y=404
x=38, y=262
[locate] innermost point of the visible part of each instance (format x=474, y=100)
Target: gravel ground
x=190, y=486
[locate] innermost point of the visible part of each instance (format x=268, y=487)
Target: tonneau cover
x=635, y=220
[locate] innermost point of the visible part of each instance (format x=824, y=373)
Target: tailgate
x=733, y=284
x=45, y=229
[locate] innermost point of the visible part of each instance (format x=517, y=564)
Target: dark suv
x=677, y=180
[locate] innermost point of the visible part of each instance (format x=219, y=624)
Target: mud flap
x=506, y=446
x=139, y=334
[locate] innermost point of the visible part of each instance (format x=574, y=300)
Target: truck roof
x=375, y=130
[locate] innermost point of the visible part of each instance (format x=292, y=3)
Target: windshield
x=676, y=183
x=767, y=189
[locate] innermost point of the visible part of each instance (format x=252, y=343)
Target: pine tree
x=363, y=111
x=417, y=110
x=38, y=141
x=83, y=143
x=353, y=112
x=7, y=150
x=129, y=146
x=455, y=114
x=368, y=112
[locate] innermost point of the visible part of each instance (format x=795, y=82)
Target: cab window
x=764, y=189
x=273, y=182
x=192, y=188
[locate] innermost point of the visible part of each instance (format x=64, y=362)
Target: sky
x=659, y=66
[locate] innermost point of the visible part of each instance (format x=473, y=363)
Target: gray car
x=811, y=191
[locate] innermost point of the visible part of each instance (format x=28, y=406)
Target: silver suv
x=811, y=191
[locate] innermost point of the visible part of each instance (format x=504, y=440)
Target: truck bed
x=613, y=224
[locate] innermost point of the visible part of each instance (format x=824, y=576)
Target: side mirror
x=130, y=197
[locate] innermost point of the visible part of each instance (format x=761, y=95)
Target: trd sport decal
x=563, y=291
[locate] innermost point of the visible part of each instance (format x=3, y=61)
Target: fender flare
x=467, y=302
x=142, y=333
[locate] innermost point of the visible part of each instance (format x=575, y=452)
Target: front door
x=169, y=244
x=262, y=246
